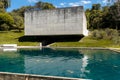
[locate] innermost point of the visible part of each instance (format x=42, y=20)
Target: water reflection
x=102, y=64
x=58, y=62
x=77, y=63
x=84, y=65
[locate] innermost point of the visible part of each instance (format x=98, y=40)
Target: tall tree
x=94, y=17
x=115, y=13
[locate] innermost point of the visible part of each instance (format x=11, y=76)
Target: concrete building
x=56, y=22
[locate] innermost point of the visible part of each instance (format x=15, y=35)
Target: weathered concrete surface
x=62, y=21
x=14, y=76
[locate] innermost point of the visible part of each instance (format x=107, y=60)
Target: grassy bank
x=12, y=37
x=86, y=42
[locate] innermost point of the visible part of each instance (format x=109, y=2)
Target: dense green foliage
x=18, y=22
x=107, y=34
x=4, y=4
x=21, y=10
x=103, y=17
x=103, y=21
x=44, y=5
x=2, y=7
x=6, y=21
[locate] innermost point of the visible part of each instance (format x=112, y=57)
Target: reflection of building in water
x=53, y=62
x=84, y=65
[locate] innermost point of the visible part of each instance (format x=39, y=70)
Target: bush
x=111, y=33
x=107, y=34
x=97, y=34
x=4, y=27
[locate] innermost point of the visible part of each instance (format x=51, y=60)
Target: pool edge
x=20, y=76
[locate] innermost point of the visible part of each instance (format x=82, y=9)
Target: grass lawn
x=11, y=37
x=87, y=42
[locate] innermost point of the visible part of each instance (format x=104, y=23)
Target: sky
x=15, y=4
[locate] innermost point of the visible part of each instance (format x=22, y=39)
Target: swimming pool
x=75, y=63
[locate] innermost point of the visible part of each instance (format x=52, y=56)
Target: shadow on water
x=51, y=39
x=52, y=53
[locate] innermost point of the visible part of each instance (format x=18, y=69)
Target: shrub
x=97, y=34
x=4, y=27
x=107, y=34
x=111, y=33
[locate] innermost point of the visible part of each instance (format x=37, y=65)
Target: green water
x=75, y=63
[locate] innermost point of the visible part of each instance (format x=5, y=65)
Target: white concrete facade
x=61, y=21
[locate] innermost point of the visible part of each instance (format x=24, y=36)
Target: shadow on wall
x=51, y=39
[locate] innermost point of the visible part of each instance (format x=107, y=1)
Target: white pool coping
x=98, y=48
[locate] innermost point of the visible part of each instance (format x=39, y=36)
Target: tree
x=106, y=17
x=18, y=22
x=96, y=7
x=21, y=10
x=7, y=19
x=44, y=5
x=94, y=17
x=115, y=13
x=18, y=14
x=38, y=6
x=1, y=5
x=6, y=3
x=48, y=6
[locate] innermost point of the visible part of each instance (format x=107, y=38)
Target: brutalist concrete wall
x=15, y=76
x=61, y=21
x=85, y=31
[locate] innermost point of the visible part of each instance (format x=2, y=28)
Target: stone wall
x=62, y=21
x=13, y=76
